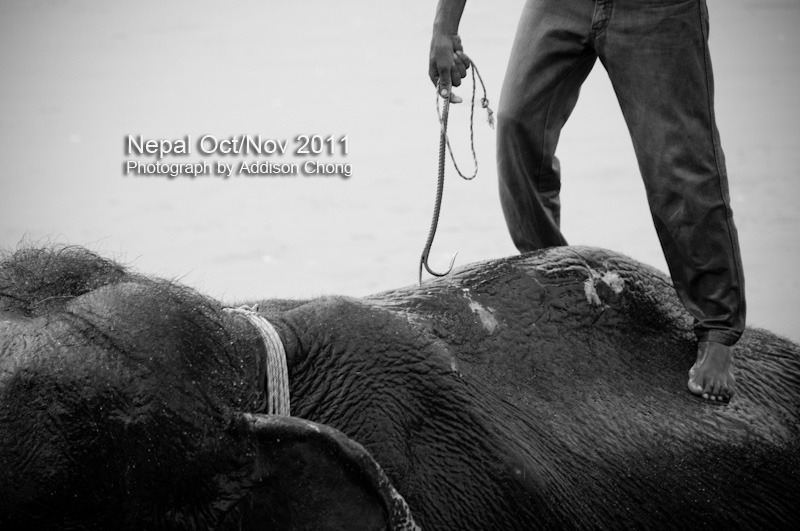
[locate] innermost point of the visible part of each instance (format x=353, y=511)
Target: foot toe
x=726, y=394
x=715, y=389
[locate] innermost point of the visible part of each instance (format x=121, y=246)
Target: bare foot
x=711, y=376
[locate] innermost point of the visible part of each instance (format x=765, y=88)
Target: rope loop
x=489, y=118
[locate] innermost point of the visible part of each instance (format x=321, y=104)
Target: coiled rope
x=444, y=145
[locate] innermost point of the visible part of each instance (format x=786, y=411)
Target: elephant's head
x=131, y=403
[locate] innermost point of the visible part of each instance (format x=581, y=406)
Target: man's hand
x=448, y=64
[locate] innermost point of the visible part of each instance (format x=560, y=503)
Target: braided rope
x=444, y=145
x=423, y=262
x=277, y=371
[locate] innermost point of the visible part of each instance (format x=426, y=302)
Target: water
x=79, y=76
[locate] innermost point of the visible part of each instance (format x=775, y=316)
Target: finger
x=464, y=59
x=433, y=73
x=455, y=76
x=459, y=65
x=455, y=99
x=444, y=82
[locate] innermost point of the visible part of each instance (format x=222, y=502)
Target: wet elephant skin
x=541, y=391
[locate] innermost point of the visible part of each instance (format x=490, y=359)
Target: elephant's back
x=577, y=314
x=577, y=359
x=560, y=287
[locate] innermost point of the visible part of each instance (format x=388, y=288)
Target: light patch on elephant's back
x=609, y=278
x=613, y=281
x=486, y=315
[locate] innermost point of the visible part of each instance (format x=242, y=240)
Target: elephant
x=539, y=391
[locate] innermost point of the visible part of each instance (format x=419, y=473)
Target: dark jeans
x=656, y=55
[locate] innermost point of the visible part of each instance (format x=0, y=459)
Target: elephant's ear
x=311, y=476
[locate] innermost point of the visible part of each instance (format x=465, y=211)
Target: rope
x=444, y=145
x=439, y=192
x=277, y=371
x=489, y=119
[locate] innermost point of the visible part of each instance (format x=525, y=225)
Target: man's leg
x=657, y=57
x=550, y=59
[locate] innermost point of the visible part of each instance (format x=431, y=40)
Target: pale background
x=78, y=76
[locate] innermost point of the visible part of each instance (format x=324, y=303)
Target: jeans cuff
x=726, y=337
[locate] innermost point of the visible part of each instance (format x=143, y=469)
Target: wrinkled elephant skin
x=541, y=391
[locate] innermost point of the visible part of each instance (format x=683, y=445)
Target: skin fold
x=546, y=390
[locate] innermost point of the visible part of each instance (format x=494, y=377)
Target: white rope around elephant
x=277, y=371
